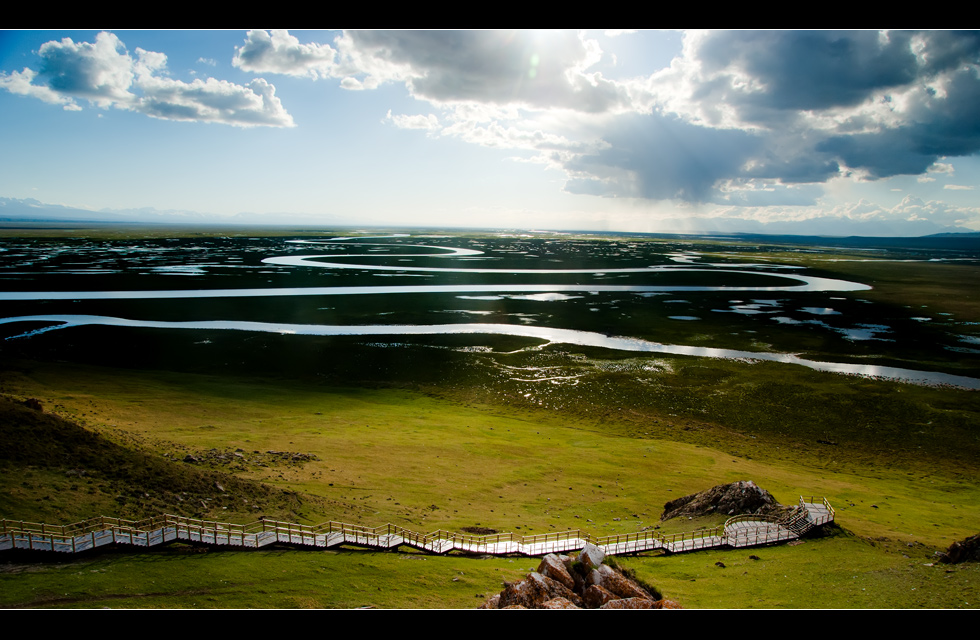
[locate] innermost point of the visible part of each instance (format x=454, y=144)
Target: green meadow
x=496, y=432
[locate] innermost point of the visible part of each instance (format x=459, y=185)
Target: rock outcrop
x=582, y=582
x=732, y=499
x=967, y=550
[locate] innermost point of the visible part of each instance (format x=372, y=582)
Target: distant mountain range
x=30, y=210
x=824, y=226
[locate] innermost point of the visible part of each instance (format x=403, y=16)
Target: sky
x=811, y=132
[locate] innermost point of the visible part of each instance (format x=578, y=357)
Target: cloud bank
x=739, y=117
x=765, y=123
x=105, y=75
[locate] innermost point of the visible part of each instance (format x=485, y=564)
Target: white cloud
x=910, y=210
x=101, y=73
x=21, y=83
x=106, y=75
x=429, y=122
x=497, y=135
x=213, y=101
x=958, y=187
x=279, y=52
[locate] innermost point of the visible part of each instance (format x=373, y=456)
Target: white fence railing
x=738, y=531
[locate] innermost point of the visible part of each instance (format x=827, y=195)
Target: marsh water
x=622, y=295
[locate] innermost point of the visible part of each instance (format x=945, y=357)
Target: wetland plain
x=520, y=381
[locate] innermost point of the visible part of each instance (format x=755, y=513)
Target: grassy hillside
x=425, y=462
x=53, y=470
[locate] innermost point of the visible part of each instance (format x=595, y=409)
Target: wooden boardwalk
x=740, y=531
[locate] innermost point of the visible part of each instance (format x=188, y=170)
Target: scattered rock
x=216, y=458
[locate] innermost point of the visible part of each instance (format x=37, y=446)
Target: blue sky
x=855, y=132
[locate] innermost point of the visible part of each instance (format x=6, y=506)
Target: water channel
x=796, y=282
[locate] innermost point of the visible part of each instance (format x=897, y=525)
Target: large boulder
x=534, y=591
x=552, y=566
x=596, y=596
x=732, y=499
x=591, y=556
x=615, y=582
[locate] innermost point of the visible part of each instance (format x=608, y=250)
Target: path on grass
x=739, y=531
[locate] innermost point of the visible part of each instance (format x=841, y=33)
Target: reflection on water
x=820, y=311
x=810, y=283
x=547, y=334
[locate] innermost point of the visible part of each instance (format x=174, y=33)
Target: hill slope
x=58, y=471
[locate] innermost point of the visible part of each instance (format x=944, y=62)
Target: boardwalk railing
x=738, y=531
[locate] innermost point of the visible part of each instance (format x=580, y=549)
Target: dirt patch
x=480, y=531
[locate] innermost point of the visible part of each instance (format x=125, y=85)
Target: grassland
x=428, y=435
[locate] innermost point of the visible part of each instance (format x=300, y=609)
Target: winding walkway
x=739, y=531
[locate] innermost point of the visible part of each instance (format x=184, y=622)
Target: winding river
x=551, y=335
x=796, y=282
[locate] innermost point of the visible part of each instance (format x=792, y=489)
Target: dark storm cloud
x=807, y=70
x=938, y=126
x=662, y=158
x=794, y=107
